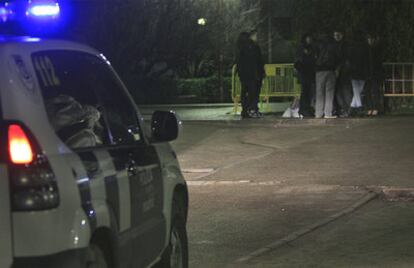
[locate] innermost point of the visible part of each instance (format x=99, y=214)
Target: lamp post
x=220, y=55
x=267, y=11
x=269, y=39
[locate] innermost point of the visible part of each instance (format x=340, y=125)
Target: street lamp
x=220, y=52
x=202, y=21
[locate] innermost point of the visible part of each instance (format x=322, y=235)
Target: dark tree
x=392, y=20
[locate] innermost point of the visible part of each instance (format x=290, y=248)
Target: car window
x=86, y=104
x=119, y=112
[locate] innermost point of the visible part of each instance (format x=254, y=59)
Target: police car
x=81, y=182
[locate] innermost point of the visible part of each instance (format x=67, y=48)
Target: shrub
x=178, y=91
x=204, y=90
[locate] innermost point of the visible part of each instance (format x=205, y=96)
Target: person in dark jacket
x=343, y=88
x=261, y=69
x=327, y=63
x=358, y=73
x=305, y=67
x=250, y=68
x=375, y=75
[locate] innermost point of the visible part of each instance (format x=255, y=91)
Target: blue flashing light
x=34, y=17
x=3, y=13
x=31, y=39
x=6, y=12
x=43, y=10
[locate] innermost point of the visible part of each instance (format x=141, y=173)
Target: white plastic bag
x=293, y=110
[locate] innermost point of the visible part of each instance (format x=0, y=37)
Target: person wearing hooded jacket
x=343, y=89
x=305, y=67
x=374, y=75
x=328, y=60
x=250, y=68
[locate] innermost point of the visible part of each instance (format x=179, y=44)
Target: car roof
x=35, y=43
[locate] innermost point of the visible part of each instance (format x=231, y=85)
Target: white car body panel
x=6, y=254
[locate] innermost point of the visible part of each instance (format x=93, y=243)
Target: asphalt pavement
x=378, y=235
x=279, y=192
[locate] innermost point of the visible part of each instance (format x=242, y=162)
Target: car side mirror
x=165, y=126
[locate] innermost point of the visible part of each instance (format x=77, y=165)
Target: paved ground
x=379, y=234
x=298, y=193
x=207, y=112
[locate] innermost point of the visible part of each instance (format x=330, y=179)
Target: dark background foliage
x=164, y=55
x=392, y=20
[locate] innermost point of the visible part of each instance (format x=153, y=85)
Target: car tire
x=95, y=257
x=176, y=254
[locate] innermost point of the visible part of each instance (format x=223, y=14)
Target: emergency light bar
x=32, y=17
x=43, y=10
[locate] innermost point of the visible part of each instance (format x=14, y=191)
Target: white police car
x=81, y=184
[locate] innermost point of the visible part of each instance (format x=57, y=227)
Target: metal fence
x=399, y=80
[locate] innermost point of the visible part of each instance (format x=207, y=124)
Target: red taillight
x=33, y=184
x=20, y=149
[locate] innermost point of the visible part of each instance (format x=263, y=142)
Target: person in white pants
x=358, y=68
x=327, y=61
x=357, y=87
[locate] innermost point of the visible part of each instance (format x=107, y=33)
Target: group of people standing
x=339, y=78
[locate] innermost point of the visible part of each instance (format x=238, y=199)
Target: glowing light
x=5, y=12
x=44, y=10
x=202, y=21
x=20, y=149
x=31, y=39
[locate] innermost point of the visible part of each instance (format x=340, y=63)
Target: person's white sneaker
x=330, y=116
x=254, y=114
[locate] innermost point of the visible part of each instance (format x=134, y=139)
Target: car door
x=94, y=116
x=137, y=160
x=5, y=220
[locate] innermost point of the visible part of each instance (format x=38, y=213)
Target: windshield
x=85, y=101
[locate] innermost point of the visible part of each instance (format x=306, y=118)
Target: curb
x=306, y=230
x=394, y=193
x=181, y=106
x=223, y=183
x=198, y=170
x=275, y=122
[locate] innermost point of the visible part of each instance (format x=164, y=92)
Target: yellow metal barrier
x=280, y=81
x=399, y=80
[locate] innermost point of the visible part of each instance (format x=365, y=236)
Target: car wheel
x=95, y=257
x=176, y=254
